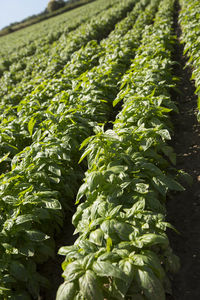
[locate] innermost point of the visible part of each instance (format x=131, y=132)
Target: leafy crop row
x=189, y=19
x=24, y=107
x=48, y=62
x=46, y=175
x=122, y=250
x=17, y=48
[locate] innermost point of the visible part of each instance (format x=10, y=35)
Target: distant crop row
x=189, y=20
x=37, y=40
x=27, y=101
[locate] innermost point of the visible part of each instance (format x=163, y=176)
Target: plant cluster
x=40, y=181
x=59, y=92
x=24, y=100
x=30, y=48
x=122, y=251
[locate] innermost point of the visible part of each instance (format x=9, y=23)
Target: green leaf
x=66, y=291
x=173, y=261
x=18, y=270
x=54, y=179
x=81, y=192
x=164, y=133
x=87, y=151
x=168, y=151
x=150, y=259
x=117, y=169
x=103, y=268
x=73, y=271
x=120, y=287
x=36, y=236
x=115, y=211
x=137, y=207
x=150, y=239
x=25, y=218
x=159, y=185
x=108, y=244
x=4, y=157
x=96, y=237
x=123, y=230
x=31, y=125
x=93, y=180
x=52, y=203
x=185, y=176
x=173, y=184
x=142, y=188
x=3, y=289
x=89, y=286
x=150, y=284
x=146, y=144
x=86, y=142
x=54, y=169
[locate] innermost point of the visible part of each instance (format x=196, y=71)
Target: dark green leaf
x=150, y=284
x=89, y=286
x=36, y=236
x=66, y=291
x=103, y=268
x=18, y=270
x=73, y=271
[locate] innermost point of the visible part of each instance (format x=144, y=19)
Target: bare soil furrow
x=184, y=208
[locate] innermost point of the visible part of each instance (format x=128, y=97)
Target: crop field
x=100, y=154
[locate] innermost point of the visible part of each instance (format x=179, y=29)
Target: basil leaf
x=73, y=271
x=150, y=284
x=66, y=291
x=105, y=268
x=89, y=286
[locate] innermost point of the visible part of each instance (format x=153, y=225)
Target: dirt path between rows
x=184, y=208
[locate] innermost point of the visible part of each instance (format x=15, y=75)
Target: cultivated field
x=99, y=134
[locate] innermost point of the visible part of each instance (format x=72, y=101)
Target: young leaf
x=96, y=237
x=31, y=125
x=66, y=291
x=150, y=284
x=103, y=268
x=89, y=286
x=150, y=239
x=4, y=157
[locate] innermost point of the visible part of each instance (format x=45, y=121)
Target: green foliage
x=55, y=100
x=121, y=222
x=189, y=20
x=44, y=160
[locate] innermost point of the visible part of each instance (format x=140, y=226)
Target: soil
x=184, y=208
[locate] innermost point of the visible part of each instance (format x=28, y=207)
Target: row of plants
x=22, y=120
x=16, y=49
x=49, y=61
x=189, y=19
x=122, y=251
x=45, y=176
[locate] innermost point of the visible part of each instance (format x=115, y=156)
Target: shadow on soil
x=184, y=208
